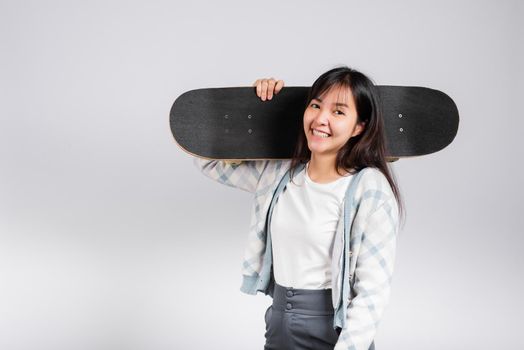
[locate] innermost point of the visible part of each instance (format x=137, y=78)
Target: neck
x=321, y=169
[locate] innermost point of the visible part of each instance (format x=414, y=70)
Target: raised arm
x=246, y=174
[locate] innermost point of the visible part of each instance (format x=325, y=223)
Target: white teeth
x=319, y=133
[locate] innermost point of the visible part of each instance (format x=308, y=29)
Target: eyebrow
x=336, y=104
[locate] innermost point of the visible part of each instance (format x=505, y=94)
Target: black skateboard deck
x=233, y=123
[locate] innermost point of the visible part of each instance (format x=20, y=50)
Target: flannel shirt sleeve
x=373, y=273
x=244, y=175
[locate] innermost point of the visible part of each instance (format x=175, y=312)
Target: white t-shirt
x=303, y=227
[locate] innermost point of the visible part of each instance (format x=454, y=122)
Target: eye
x=313, y=105
x=338, y=110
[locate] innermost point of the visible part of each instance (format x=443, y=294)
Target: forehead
x=337, y=94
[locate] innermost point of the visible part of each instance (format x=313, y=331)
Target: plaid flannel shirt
x=363, y=252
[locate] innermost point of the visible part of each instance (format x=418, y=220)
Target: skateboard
x=233, y=123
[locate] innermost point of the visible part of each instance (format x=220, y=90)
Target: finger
x=255, y=84
x=279, y=86
x=270, y=88
x=264, y=89
x=259, y=87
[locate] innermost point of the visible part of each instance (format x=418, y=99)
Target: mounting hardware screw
x=400, y=115
x=249, y=116
x=226, y=116
x=401, y=129
x=250, y=131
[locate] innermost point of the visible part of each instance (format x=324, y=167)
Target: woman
x=324, y=224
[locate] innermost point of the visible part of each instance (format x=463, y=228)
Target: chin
x=318, y=150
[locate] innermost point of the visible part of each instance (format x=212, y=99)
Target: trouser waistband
x=303, y=301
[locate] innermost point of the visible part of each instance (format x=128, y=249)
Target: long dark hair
x=367, y=149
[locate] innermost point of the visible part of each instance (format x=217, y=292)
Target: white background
x=111, y=239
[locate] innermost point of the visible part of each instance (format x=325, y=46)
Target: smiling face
x=330, y=121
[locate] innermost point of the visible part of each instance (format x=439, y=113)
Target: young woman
x=324, y=224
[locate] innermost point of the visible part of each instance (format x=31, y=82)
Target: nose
x=322, y=117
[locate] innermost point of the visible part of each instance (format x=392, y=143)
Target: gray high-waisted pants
x=301, y=319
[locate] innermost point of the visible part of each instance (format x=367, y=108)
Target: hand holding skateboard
x=268, y=87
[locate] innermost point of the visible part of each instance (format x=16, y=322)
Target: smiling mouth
x=320, y=133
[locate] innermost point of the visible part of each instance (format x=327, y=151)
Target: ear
x=359, y=128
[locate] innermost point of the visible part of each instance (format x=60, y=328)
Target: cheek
x=306, y=121
x=342, y=129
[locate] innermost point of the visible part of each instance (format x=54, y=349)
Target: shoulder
x=373, y=188
x=280, y=164
x=270, y=170
x=262, y=165
x=273, y=167
x=374, y=179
